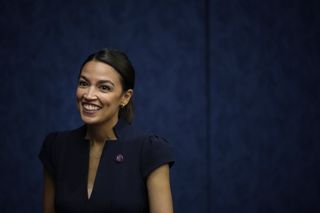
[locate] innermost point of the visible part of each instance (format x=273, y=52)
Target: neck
x=102, y=132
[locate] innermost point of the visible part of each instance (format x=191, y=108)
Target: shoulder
x=135, y=134
x=155, y=142
x=155, y=151
x=53, y=148
x=59, y=137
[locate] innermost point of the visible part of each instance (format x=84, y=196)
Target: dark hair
x=121, y=63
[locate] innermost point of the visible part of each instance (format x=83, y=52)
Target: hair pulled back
x=121, y=63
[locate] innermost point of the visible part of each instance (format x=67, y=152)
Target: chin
x=88, y=120
x=97, y=119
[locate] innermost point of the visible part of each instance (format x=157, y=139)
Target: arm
x=159, y=192
x=48, y=193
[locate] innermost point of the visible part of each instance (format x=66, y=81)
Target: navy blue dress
x=120, y=184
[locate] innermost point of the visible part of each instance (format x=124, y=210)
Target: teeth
x=90, y=107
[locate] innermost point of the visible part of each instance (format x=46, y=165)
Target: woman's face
x=100, y=94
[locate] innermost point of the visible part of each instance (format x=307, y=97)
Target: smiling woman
x=100, y=94
x=106, y=165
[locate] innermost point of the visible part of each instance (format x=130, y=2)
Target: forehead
x=97, y=71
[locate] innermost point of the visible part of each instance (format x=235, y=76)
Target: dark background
x=233, y=85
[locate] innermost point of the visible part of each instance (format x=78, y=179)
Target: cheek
x=79, y=94
x=112, y=101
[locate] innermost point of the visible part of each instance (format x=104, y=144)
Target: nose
x=90, y=94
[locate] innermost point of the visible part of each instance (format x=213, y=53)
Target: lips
x=90, y=108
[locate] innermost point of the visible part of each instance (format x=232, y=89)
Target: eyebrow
x=99, y=82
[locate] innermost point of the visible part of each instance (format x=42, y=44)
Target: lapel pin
x=119, y=158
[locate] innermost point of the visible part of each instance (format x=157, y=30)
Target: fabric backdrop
x=233, y=86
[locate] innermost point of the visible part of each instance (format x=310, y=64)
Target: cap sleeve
x=156, y=151
x=46, y=154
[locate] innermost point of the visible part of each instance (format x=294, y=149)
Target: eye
x=82, y=83
x=105, y=88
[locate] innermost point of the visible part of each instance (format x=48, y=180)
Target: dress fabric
x=120, y=183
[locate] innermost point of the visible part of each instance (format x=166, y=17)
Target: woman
x=106, y=165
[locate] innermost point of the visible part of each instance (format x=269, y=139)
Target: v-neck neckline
x=118, y=128
x=97, y=171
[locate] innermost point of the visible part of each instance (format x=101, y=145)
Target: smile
x=90, y=107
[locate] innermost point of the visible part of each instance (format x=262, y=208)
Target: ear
x=126, y=96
